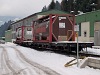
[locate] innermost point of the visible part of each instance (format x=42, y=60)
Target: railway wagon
x=56, y=32
x=24, y=35
x=54, y=28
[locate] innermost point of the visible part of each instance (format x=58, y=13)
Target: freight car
x=53, y=31
x=56, y=32
x=54, y=28
x=24, y=35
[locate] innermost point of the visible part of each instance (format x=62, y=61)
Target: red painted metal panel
x=50, y=29
x=72, y=21
x=41, y=29
x=22, y=38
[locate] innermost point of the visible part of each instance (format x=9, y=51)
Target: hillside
x=4, y=19
x=5, y=22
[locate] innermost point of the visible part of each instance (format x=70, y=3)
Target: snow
x=49, y=59
x=71, y=42
x=93, y=51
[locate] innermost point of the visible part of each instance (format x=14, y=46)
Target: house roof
x=53, y=11
x=89, y=16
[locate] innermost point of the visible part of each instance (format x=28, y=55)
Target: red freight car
x=56, y=32
x=54, y=27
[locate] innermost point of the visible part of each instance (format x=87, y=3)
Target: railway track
x=73, y=54
x=65, y=52
x=70, y=54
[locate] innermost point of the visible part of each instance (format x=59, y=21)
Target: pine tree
x=70, y=5
x=87, y=6
x=52, y=5
x=44, y=8
x=78, y=5
x=9, y=24
x=64, y=5
x=98, y=4
x=84, y=6
x=57, y=5
x=94, y=4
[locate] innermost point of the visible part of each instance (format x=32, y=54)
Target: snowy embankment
x=54, y=61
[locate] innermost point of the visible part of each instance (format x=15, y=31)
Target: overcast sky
x=22, y=8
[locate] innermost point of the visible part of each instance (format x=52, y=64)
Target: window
x=79, y=29
x=85, y=33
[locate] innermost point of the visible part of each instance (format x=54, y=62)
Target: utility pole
x=76, y=28
x=77, y=50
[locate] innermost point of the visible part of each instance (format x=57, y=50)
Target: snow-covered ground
x=92, y=51
x=53, y=61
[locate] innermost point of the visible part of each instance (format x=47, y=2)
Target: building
x=89, y=27
x=8, y=35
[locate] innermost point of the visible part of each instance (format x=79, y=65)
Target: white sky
x=22, y=8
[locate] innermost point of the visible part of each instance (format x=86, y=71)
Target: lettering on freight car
x=60, y=18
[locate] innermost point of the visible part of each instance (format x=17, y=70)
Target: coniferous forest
x=75, y=6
